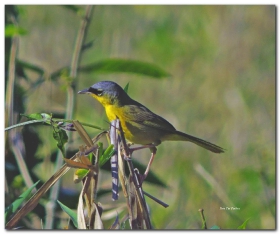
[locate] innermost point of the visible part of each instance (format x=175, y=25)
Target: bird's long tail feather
x=180, y=136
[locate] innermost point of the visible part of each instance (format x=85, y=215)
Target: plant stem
x=69, y=110
x=133, y=174
x=14, y=136
x=204, y=226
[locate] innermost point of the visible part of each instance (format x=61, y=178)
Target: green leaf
x=215, y=227
x=91, y=157
x=34, y=116
x=123, y=65
x=106, y=155
x=126, y=87
x=71, y=213
x=81, y=173
x=243, y=225
x=100, y=149
x=15, y=205
x=61, y=137
x=39, y=116
x=12, y=30
x=46, y=118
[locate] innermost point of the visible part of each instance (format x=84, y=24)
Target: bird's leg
x=153, y=151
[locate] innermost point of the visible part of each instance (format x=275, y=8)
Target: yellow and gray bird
x=139, y=124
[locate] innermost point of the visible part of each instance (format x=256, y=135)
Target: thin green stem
x=22, y=124
x=204, y=226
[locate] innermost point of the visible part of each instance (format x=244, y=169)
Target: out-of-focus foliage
x=16, y=204
x=222, y=88
x=123, y=65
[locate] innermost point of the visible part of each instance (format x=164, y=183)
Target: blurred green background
x=222, y=89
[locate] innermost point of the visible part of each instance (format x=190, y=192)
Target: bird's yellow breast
x=114, y=112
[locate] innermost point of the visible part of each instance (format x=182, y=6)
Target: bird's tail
x=180, y=136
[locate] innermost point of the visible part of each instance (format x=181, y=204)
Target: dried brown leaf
x=97, y=221
x=82, y=132
x=80, y=212
x=75, y=164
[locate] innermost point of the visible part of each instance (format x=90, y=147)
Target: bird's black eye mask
x=98, y=92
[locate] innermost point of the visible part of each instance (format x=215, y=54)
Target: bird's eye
x=99, y=92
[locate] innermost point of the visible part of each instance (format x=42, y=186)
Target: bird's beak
x=84, y=91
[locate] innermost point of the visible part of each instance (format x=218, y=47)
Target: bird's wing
x=142, y=115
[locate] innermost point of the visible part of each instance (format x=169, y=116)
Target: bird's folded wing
x=142, y=115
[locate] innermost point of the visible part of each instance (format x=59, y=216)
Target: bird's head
x=106, y=92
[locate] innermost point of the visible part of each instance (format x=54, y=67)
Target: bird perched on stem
x=140, y=125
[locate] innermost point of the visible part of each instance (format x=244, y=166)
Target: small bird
x=139, y=124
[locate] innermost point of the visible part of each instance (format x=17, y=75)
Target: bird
x=140, y=125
